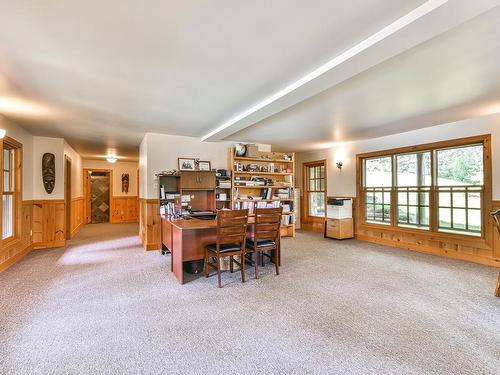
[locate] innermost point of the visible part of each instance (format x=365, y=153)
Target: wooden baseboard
x=16, y=258
x=433, y=251
x=76, y=230
x=152, y=246
x=48, y=245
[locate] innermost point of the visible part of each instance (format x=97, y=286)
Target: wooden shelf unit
x=284, y=172
x=223, y=203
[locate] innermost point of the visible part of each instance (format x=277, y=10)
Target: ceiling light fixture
x=387, y=31
x=111, y=159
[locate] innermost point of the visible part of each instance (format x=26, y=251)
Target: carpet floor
x=103, y=305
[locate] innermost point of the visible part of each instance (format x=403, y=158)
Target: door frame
x=86, y=192
x=67, y=195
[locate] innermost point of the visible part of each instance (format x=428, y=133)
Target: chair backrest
x=232, y=227
x=267, y=223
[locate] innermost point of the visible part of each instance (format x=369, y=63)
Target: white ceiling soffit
x=423, y=23
x=451, y=77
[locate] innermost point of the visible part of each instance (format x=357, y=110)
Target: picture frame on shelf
x=204, y=165
x=186, y=164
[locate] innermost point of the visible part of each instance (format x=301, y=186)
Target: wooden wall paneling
x=48, y=223
x=77, y=215
x=124, y=209
x=149, y=224
x=17, y=250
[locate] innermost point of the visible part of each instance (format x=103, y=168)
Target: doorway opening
x=99, y=187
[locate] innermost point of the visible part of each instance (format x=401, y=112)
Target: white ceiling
x=102, y=73
x=451, y=77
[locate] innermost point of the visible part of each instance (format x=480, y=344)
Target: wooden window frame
x=306, y=218
x=483, y=241
x=17, y=194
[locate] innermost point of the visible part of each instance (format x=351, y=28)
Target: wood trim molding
x=311, y=223
x=16, y=258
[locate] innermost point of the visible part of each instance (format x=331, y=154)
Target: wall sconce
x=2, y=133
x=339, y=165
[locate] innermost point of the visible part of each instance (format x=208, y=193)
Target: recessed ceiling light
x=111, y=158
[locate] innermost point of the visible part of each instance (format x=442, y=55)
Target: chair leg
x=497, y=291
x=256, y=263
x=276, y=261
x=205, y=268
x=242, y=263
x=231, y=266
x=218, y=272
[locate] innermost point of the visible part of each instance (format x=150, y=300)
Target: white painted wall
x=22, y=136
x=118, y=169
x=343, y=182
x=143, y=168
x=76, y=171
x=55, y=146
x=159, y=152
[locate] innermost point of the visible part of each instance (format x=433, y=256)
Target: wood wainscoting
x=477, y=250
x=124, y=210
x=149, y=223
x=77, y=215
x=48, y=223
x=13, y=251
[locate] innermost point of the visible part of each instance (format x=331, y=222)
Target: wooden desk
x=186, y=240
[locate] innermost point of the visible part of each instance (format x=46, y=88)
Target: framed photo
x=204, y=165
x=186, y=164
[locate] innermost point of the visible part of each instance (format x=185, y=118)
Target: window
x=10, y=197
x=436, y=188
x=460, y=178
x=413, y=181
x=316, y=188
x=378, y=182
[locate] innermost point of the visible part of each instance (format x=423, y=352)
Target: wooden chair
x=231, y=236
x=266, y=237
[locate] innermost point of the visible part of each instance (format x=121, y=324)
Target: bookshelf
x=265, y=179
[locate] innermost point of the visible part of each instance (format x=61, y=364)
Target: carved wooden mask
x=49, y=171
x=125, y=182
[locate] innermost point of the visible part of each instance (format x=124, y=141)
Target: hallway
x=104, y=305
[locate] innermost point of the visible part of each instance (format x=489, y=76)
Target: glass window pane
x=459, y=218
x=474, y=217
x=7, y=216
x=445, y=199
x=312, y=172
x=413, y=215
x=6, y=161
x=317, y=204
x=370, y=197
x=402, y=198
x=387, y=197
x=460, y=166
x=379, y=212
x=412, y=198
x=403, y=214
x=474, y=200
x=414, y=169
x=378, y=197
x=424, y=198
x=445, y=217
x=6, y=179
x=370, y=212
x=378, y=172
x=459, y=200
x=424, y=216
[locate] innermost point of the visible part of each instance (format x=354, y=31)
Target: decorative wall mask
x=49, y=171
x=125, y=182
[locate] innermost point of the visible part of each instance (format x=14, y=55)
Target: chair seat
x=261, y=243
x=225, y=248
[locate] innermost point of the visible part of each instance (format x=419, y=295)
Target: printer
x=339, y=208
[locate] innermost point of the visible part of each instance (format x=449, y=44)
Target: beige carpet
x=105, y=306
